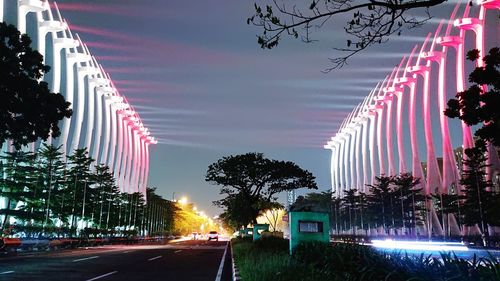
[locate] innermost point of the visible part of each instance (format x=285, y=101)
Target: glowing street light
x=183, y=200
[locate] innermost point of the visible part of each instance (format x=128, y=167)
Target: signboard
x=308, y=226
x=311, y=226
x=284, y=217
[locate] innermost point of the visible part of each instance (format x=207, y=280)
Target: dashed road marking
x=152, y=259
x=84, y=259
x=221, y=266
x=102, y=276
x=178, y=251
x=7, y=272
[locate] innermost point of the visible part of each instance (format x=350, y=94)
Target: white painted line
x=7, y=272
x=152, y=259
x=126, y=252
x=102, y=276
x=221, y=266
x=178, y=251
x=84, y=259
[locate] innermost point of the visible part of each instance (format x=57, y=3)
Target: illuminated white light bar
x=419, y=245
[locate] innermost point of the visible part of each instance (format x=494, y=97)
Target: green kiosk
x=246, y=232
x=308, y=226
x=258, y=229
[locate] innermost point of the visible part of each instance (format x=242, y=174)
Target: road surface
x=182, y=260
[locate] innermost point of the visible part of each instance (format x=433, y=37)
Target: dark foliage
x=48, y=196
x=372, y=22
x=28, y=110
x=479, y=103
x=251, y=182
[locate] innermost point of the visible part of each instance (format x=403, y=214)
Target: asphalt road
x=183, y=260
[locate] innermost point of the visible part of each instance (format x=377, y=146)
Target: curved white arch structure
x=113, y=133
x=371, y=123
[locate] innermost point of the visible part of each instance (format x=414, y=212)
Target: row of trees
x=43, y=191
x=397, y=203
x=47, y=194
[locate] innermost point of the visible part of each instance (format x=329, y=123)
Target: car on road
x=213, y=235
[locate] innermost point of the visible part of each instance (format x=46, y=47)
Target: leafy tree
x=79, y=176
x=480, y=205
x=273, y=215
x=250, y=181
x=349, y=203
x=159, y=214
x=18, y=185
x=477, y=105
x=409, y=200
x=51, y=170
x=105, y=189
x=380, y=201
x=372, y=22
x=240, y=209
x=186, y=220
x=28, y=110
x=48, y=197
x=110, y=199
x=324, y=201
x=314, y=201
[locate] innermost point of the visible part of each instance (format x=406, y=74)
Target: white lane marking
x=84, y=259
x=221, y=266
x=126, y=252
x=102, y=276
x=178, y=251
x=7, y=272
x=152, y=259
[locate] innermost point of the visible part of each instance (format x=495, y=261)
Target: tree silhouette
x=372, y=21
x=477, y=105
x=28, y=110
x=250, y=182
x=79, y=175
x=18, y=184
x=51, y=168
x=479, y=204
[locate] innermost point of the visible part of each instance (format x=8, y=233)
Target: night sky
x=205, y=89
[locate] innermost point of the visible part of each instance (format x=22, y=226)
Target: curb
x=236, y=272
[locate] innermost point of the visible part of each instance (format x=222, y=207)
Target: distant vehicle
x=195, y=235
x=213, y=235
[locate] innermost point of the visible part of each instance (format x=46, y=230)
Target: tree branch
x=372, y=22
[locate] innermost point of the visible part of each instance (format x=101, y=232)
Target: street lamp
x=183, y=200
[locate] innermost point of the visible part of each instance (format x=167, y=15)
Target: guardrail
x=9, y=244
